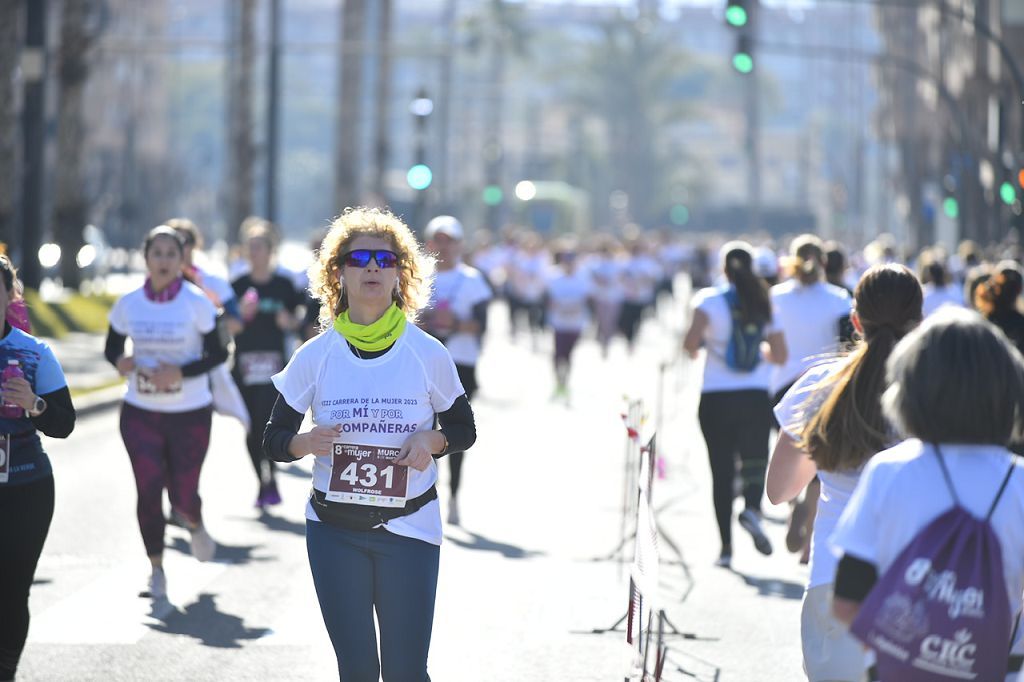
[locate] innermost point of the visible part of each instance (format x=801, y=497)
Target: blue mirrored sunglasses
x=360, y=258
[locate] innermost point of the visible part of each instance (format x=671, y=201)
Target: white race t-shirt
x=794, y=411
x=568, y=298
x=640, y=276
x=902, y=490
x=718, y=376
x=606, y=273
x=461, y=288
x=809, y=318
x=170, y=332
x=936, y=297
x=377, y=402
x=527, y=275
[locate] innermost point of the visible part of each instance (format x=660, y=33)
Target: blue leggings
x=359, y=572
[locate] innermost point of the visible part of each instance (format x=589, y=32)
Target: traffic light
x=1020, y=178
x=1007, y=193
x=743, y=57
x=679, y=214
x=736, y=13
x=420, y=176
x=951, y=207
x=493, y=195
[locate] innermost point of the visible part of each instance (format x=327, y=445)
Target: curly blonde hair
x=415, y=266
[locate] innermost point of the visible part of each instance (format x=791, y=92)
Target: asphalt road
x=525, y=579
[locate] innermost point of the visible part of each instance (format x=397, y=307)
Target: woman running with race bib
x=374, y=384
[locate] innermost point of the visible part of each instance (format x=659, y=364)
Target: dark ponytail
x=849, y=427
x=751, y=290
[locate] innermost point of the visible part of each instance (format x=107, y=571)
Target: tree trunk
x=240, y=115
x=350, y=93
x=383, y=95
x=71, y=209
x=10, y=43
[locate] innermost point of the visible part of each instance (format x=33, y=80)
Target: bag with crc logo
x=941, y=610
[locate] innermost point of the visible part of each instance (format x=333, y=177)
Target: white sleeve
x=801, y=402
x=445, y=385
x=205, y=314
x=857, y=532
x=118, y=317
x=297, y=381
x=480, y=291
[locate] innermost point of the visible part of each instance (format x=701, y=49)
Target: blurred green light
x=743, y=62
x=493, y=195
x=736, y=16
x=951, y=207
x=420, y=176
x=679, y=215
x=1007, y=193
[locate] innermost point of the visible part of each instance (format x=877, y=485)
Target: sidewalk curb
x=98, y=401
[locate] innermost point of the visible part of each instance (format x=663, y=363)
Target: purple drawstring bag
x=941, y=610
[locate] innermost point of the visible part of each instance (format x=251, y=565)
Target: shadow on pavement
x=293, y=470
x=235, y=554
x=281, y=524
x=202, y=621
x=773, y=587
x=479, y=542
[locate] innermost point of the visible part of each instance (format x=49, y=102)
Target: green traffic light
x=951, y=207
x=679, y=215
x=493, y=195
x=1007, y=193
x=736, y=16
x=743, y=62
x=420, y=176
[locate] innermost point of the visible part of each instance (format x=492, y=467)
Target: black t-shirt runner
x=260, y=347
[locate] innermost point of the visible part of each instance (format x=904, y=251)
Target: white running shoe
x=203, y=546
x=157, y=585
x=453, y=512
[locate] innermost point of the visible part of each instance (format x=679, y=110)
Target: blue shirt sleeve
x=49, y=374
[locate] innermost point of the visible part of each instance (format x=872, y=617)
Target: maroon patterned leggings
x=167, y=450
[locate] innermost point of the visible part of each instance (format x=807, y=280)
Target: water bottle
x=9, y=410
x=251, y=297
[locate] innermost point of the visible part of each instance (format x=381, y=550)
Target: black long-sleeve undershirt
x=457, y=425
x=58, y=419
x=854, y=578
x=215, y=351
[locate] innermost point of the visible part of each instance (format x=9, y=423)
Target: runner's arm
x=458, y=426
x=215, y=352
x=115, y=346
x=281, y=429
x=854, y=580
x=58, y=419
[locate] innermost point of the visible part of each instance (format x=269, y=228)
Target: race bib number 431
x=367, y=474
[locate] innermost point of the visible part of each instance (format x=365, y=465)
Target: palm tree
x=10, y=20
x=80, y=26
x=350, y=100
x=242, y=156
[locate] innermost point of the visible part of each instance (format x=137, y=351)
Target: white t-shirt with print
x=902, y=490
x=378, y=402
x=527, y=275
x=808, y=316
x=937, y=297
x=794, y=411
x=461, y=289
x=718, y=376
x=170, y=332
x=640, y=276
x=568, y=298
x=606, y=273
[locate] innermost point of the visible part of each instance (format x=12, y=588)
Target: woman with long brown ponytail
x=831, y=424
x=731, y=323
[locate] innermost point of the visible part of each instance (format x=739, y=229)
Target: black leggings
x=735, y=422
x=259, y=400
x=467, y=375
x=25, y=514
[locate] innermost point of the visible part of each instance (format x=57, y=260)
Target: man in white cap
x=457, y=316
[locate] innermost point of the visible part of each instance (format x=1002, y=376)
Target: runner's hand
x=416, y=451
x=319, y=441
x=18, y=391
x=125, y=365
x=166, y=376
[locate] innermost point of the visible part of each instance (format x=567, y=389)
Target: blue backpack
x=941, y=610
x=743, y=353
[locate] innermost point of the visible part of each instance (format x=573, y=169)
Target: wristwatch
x=38, y=407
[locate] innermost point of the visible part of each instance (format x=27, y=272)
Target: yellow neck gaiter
x=376, y=336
